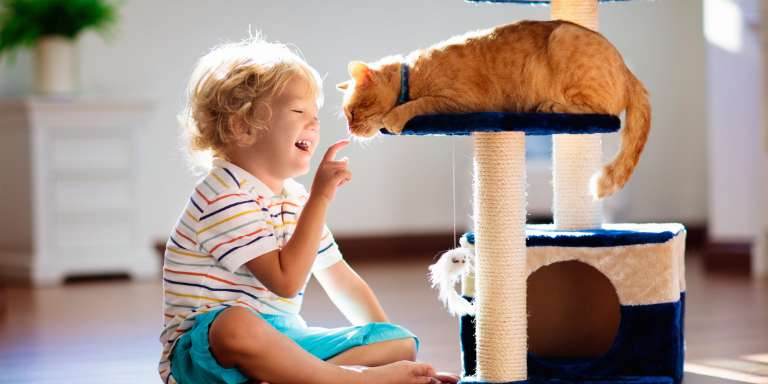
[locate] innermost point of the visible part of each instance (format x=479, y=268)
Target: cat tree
x=644, y=263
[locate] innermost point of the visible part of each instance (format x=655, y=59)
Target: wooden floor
x=105, y=331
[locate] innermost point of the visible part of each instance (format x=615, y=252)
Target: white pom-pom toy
x=451, y=267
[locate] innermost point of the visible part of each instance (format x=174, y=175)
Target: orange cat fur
x=529, y=66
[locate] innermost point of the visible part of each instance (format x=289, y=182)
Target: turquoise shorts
x=192, y=362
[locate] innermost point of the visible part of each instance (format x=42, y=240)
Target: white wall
x=401, y=185
x=663, y=45
x=735, y=101
x=759, y=260
x=738, y=130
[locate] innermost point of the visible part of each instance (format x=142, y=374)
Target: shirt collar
x=247, y=181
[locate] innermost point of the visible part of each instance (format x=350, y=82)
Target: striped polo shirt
x=230, y=219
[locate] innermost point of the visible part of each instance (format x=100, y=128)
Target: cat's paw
x=545, y=107
x=392, y=123
x=550, y=106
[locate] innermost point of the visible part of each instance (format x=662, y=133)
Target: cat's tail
x=612, y=177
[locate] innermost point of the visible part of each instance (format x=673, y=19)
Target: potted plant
x=52, y=26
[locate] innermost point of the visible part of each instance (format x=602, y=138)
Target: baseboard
x=404, y=247
x=531, y=219
x=732, y=257
x=384, y=248
x=695, y=238
x=395, y=247
x=160, y=248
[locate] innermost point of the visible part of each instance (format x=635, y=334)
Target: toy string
x=453, y=163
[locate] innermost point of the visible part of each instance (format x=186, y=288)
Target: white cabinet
x=71, y=178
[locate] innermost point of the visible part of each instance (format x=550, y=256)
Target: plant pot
x=55, y=65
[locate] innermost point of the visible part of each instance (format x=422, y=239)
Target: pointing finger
x=342, y=182
x=333, y=149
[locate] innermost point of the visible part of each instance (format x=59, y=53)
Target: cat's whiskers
x=367, y=123
x=353, y=139
x=339, y=109
x=339, y=112
x=359, y=139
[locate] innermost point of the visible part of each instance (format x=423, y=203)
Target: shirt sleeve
x=234, y=230
x=329, y=253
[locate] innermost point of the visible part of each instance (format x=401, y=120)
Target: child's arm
x=351, y=294
x=356, y=301
x=285, y=271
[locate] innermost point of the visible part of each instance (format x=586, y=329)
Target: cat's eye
x=352, y=112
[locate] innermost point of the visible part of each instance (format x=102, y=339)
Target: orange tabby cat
x=529, y=66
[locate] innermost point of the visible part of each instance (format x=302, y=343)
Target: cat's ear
x=343, y=85
x=362, y=74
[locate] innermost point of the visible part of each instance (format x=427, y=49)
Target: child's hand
x=446, y=377
x=331, y=174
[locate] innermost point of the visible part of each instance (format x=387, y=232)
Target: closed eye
x=298, y=111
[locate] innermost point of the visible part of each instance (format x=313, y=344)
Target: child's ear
x=342, y=86
x=362, y=74
x=242, y=134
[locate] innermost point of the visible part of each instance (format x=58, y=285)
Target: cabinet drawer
x=92, y=195
x=100, y=153
x=93, y=233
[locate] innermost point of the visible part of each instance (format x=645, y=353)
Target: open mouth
x=303, y=145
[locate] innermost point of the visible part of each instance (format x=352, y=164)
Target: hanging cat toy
x=449, y=269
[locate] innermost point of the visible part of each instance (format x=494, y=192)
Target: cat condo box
x=604, y=305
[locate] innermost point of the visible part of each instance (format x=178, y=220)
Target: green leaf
x=22, y=22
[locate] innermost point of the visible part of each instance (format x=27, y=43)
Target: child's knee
x=233, y=333
x=406, y=347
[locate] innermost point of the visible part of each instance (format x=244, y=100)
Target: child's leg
x=377, y=354
x=239, y=338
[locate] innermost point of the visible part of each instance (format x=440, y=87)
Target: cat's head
x=368, y=96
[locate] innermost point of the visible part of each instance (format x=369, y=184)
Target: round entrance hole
x=573, y=311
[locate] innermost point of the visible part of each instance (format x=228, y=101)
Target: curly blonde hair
x=237, y=80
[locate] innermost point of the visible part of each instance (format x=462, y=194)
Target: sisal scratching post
x=500, y=265
x=581, y=12
x=575, y=158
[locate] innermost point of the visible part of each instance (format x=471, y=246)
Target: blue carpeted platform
x=611, y=235
x=531, y=2
x=536, y=124
x=586, y=380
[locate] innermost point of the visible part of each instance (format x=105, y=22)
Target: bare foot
x=402, y=372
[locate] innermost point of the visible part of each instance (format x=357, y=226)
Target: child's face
x=294, y=132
